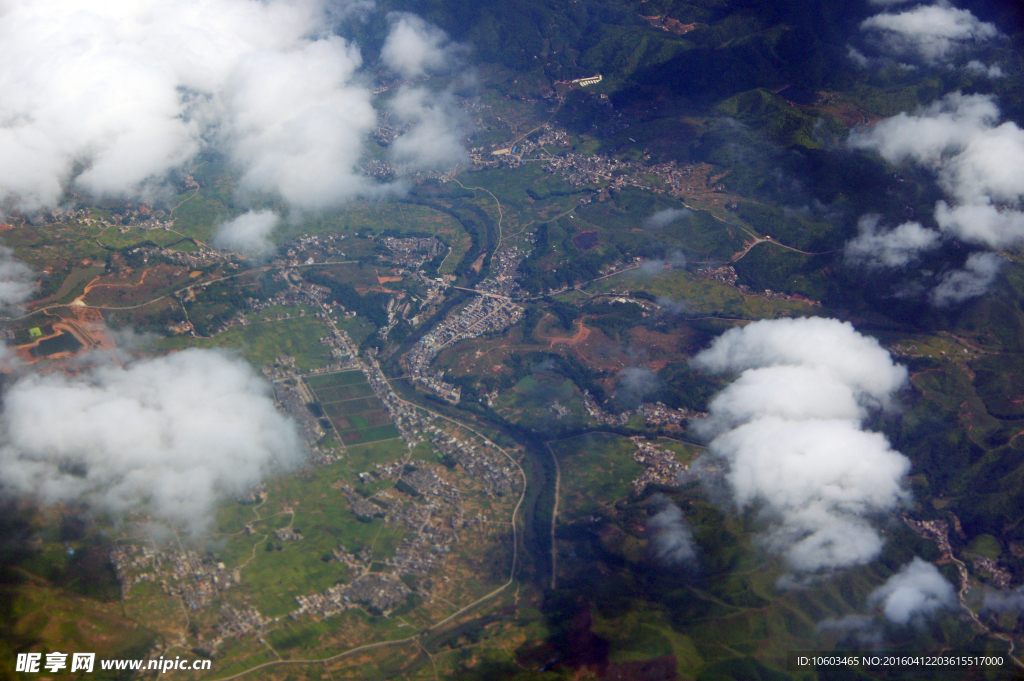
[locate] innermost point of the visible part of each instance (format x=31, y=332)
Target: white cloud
x=17, y=282
x=807, y=390
x=169, y=437
x=414, y=47
x=973, y=280
x=862, y=630
x=809, y=342
x=917, y=591
x=789, y=431
x=979, y=69
x=663, y=218
x=982, y=223
x=633, y=384
x=910, y=596
x=1003, y=601
x=249, y=233
x=105, y=85
x=897, y=247
x=433, y=140
x=980, y=164
x=671, y=535
x=674, y=306
x=932, y=134
x=931, y=32
x=296, y=122
x=17, y=285
x=818, y=479
x=655, y=267
x=858, y=57
x=112, y=96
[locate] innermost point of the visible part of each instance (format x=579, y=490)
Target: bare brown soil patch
x=582, y=332
x=385, y=279
x=671, y=25
x=601, y=352
x=132, y=287
x=478, y=263
x=87, y=326
x=658, y=345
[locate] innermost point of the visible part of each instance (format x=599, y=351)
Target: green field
x=324, y=519
x=363, y=457
x=705, y=295
x=374, y=434
x=354, y=405
x=75, y=283
x=530, y=401
x=346, y=421
x=400, y=217
x=348, y=401
x=597, y=470
x=262, y=342
x=333, y=380
x=344, y=393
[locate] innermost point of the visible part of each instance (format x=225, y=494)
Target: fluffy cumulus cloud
x=414, y=47
x=916, y=592
x=296, y=121
x=17, y=283
x=433, y=138
x=979, y=163
x=664, y=218
x=911, y=596
x=789, y=431
x=977, y=68
x=113, y=96
x=249, y=233
x=973, y=280
x=168, y=437
x=877, y=247
x=933, y=33
x=670, y=535
x=125, y=89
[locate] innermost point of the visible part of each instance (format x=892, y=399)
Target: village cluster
x=195, y=579
x=580, y=169
x=413, y=251
x=141, y=217
x=654, y=413
x=938, y=532
x=726, y=274
x=660, y=465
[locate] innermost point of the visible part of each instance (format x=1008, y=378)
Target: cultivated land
x=347, y=400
